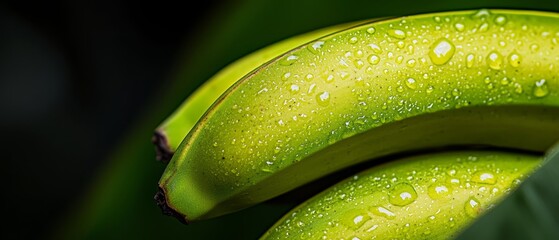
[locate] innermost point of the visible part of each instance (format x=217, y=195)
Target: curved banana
x=432, y=196
x=417, y=82
x=174, y=128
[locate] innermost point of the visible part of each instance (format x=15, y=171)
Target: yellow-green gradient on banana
x=432, y=196
x=174, y=128
x=418, y=82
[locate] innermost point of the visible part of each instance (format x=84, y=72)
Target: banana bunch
x=315, y=104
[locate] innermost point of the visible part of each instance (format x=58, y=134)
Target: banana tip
x=161, y=201
x=163, y=153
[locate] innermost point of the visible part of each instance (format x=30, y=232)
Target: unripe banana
x=412, y=83
x=432, y=196
x=174, y=128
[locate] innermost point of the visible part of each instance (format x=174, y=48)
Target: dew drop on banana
x=371, y=30
x=535, y=47
x=438, y=191
x=382, y=212
x=373, y=59
x=472, y=207
x=309, y=77
x=500, y=20
x=289, y=60
x=459, y=27
x=411, y=83
x=514, y=59
x=294, y=88
x=323, y=99
x=397, y=33
x=518, y=88
x=484, y=177
x=483, y=27
x=505, y=81
x=540, y=88
x=353, y=40
x=315, y=47
x=376, y=49
x=286, y=76
x=358, y=64
x=441, y=51
x=411, y=63
x=495, y=60
x=402, y=194
x=470, y=58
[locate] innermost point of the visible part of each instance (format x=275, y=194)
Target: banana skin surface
x=174, y=128
x=431, y=196
x=484, y=77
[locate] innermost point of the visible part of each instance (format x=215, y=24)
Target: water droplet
x=373, y=59
x=359, y=53
x=371, y=30
x=459, y=27
x=312, y=87
x=323, y=98
x=534, y=47
x=505, y=81
x=309, y=77
x=402, y=194
x=441, y=51
x=430, y=89
x=438, y=191
x=286, y=61
x=328, y=78
x=294, y=88
x=437, y=19
x=397, y=33
x=215, y=144
x=483, y=27
x=514, y=59
x=518, y=88
x=376, y=49
x=500, y=20
x=286, y=76
x=400, y=89
x=355, y=218
x=382, y=212
x=410, y=83
x=472, y=207
x=344, y=75
x=540, y=88
x=400, y=44
x=411, y=63
x=358, y=64
x=495, y=60
x=353, y=40
x=315, y=46
x=483, y=177
x=456, y=92
x=470, y=58
x=481, y=14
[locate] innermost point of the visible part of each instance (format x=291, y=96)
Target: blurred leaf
x=530, y=212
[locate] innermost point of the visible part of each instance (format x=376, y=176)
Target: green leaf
x=530, y=212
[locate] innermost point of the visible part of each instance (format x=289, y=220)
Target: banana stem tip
x=163, y=152
x=161, y=201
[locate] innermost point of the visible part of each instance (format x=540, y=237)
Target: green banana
x=432, y=196
x=175, y=127
x=393, y=86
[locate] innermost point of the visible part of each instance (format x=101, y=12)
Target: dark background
x=74, y=75
x=84, y=83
